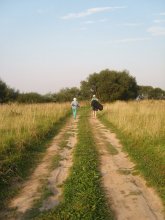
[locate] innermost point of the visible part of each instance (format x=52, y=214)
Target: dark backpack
x=100, y=107
x=97, y=105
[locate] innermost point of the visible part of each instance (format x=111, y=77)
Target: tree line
x=108, y=85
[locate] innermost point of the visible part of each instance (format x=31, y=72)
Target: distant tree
x=48, y=97
x=13, y=94
x=110, y=85
x=85, y=90
x=157, y=93
x=3, y=92
x=149, y=92
x=7, y=94
x=67, y=94
x=31, y=97
x=145, y=91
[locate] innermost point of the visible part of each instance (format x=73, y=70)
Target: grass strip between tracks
x=83, y=196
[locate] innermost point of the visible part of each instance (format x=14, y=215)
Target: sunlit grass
x=139, y=119
x=141, y=128
x=19, y=123
x=23, y=132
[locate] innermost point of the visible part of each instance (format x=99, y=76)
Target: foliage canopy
x=108, y=85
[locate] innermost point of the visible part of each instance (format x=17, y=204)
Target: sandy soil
x=32, y=188
x=60, y=174
x=129, y=196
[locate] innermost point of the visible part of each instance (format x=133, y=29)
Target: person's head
x=94, y=96
x=74, y=99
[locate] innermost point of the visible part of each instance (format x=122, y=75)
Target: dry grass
x=141, y=128
x=24, y=131
x=138, y=119
x=19, y=123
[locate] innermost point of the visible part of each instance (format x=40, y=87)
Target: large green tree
x=110, y=85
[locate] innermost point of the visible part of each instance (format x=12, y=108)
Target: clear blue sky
x=46, y=45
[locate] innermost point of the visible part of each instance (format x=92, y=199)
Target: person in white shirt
x=74, y=105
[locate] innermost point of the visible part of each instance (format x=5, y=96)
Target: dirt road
x=44, y=176
x=128, y=194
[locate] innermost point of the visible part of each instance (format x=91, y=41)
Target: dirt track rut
x=43, y=174
x=129, y=196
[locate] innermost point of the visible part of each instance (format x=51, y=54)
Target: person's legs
x=94, y=114
x=74, y=113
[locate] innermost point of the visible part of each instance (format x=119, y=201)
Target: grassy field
x=23, y=130
x=141, y=128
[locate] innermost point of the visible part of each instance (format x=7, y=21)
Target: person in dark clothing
x=94, y=105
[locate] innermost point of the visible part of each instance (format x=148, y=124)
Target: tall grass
x=20, y=123
x=139, y=119
x=141, y=127
x=23, y=128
